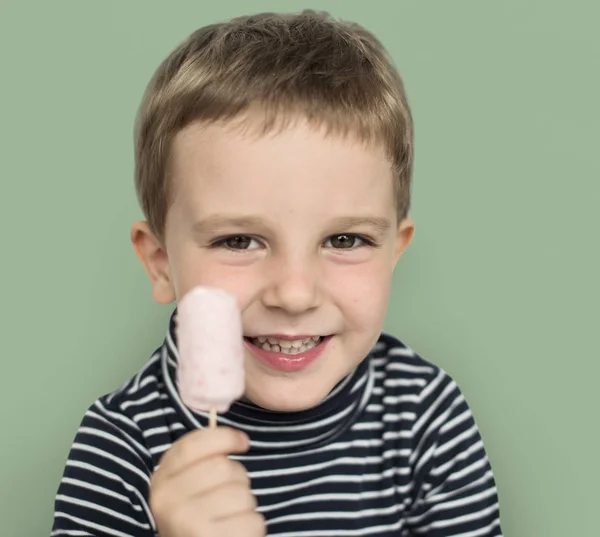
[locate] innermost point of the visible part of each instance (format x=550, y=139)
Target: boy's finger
x=200, y=444
x=228, y=500
x=248, y=524
x=200, y=478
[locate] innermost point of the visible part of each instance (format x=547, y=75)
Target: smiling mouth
x=286, y=346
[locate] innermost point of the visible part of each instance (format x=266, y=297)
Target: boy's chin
x=279, y=400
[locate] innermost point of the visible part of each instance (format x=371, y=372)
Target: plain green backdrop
x=500, y=286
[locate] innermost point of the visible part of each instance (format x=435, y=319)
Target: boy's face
x=300, y=227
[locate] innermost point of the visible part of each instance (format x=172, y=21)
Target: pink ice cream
x=210, y=372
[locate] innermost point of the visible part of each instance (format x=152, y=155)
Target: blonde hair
x=334, y=74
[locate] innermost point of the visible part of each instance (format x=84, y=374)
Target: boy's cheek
x=362, y=295
x=362, y=281
x=195, y=270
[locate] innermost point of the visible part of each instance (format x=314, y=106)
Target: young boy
x=273, y=159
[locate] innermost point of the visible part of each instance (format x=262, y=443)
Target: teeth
x=286, y=346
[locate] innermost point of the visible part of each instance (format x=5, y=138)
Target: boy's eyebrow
x=380, y=224
x=217, y=221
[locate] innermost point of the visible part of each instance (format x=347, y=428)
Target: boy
x=273, y=159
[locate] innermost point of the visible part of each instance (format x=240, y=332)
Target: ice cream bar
x=210, y=373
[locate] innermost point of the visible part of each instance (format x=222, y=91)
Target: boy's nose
x=293, y=286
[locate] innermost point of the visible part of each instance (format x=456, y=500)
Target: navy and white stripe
x=392, y=451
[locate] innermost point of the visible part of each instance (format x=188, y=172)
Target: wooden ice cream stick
x=212, y=418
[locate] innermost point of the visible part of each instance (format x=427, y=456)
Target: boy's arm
x=455, y=491
x=105, y=485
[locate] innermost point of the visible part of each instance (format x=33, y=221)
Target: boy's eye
x=345, y=241
x=237, y=242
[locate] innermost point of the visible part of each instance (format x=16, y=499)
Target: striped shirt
x=392, y=451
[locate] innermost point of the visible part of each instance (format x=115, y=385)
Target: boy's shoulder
x=395, y=356
x=136, y=418
x=140, y=389
x=403, y=375
x=125, y=411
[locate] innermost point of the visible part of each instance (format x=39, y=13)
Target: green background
x=500, y=286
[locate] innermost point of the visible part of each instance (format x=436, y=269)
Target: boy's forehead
x=298, y=177
x=218, y=146
x=298, y=172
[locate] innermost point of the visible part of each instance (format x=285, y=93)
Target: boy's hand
x=198, y=491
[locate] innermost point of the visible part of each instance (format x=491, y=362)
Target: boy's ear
x=155, y=261
x=404, y=236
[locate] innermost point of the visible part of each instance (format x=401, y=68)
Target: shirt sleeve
x=454, y=491
x=105, y=484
